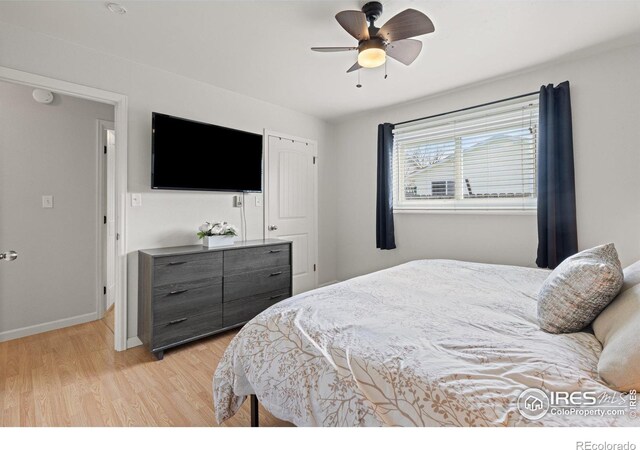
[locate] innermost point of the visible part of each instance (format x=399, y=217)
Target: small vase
x=218, y=241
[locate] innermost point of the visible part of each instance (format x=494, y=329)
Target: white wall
x=605, y=91
x=170, y=218
x=48, y=150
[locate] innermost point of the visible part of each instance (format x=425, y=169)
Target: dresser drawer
x=250, y=259
x=183, y=268
x=174, y=301
x=188, y=329
x=244, y=309
x=258, y=282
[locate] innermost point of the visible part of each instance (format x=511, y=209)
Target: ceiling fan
x=392, y=39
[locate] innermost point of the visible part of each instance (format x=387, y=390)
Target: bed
x=426, y=343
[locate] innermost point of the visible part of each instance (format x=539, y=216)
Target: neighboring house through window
x=480, y=158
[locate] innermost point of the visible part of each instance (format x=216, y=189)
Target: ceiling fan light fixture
x=371, y=53
x=372, y=57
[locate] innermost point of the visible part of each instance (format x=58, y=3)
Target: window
x=482, y=158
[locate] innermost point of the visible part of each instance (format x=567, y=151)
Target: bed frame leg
x=255, y=419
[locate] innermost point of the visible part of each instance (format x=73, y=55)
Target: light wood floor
x=73, y=377
x=109, y=318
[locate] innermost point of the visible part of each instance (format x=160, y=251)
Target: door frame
x=267, y=134
x=119, y=102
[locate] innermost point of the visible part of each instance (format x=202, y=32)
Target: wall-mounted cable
x=243, y=213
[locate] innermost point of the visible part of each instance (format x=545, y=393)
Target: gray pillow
x=631, y=276
x=579, y=289
x=617, y=329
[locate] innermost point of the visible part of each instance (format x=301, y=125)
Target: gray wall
x=48, y=150
x=605, y=89
x=171, y=218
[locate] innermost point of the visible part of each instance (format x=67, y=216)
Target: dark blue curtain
x=385, y=236
x=557, y=228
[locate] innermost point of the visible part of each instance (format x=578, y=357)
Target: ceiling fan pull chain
x=385, y=69
x=358, y=85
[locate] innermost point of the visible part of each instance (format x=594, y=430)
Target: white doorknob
x=8, y=256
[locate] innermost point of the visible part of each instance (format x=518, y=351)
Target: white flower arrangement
x=216, y=229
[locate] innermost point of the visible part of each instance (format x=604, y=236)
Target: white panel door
x=291, y=204
x=111, y=218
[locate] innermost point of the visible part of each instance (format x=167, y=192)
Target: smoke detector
x=42, y=96
x=116, y=8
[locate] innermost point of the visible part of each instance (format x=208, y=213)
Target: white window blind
x=481, y=158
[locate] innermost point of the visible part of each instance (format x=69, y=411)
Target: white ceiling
x=261, y=48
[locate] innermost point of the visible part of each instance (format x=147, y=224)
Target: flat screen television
x=196, y=156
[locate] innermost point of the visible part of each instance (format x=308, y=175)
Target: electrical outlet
x=258, y=200
x=237, y=201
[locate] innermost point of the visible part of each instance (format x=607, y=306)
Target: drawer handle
x=275, y=251
x=173, y=322
x=177, y=263
x=275, y=296
x=275, y=274
x=179, y=291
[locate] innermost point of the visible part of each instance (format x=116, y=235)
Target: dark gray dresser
x=186, y=293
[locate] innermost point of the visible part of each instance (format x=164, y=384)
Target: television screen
x=190, y=155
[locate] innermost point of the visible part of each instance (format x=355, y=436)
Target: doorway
x=291, y=202
x=118, y=176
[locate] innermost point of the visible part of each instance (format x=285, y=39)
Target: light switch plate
x=258, y=200
x=47, y=201
x=136, y=200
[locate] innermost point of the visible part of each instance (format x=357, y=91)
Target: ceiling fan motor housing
x=373, y=11
x=375, y=42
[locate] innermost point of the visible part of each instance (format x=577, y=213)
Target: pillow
x=631, y=276
x=579, y=289
x=617, y=329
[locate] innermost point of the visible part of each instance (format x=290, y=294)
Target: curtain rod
x=465, y=109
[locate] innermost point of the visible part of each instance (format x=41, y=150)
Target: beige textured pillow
x=579, y=289
x=617, y=328
x=631, y=276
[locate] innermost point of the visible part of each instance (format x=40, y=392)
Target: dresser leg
x=255, y=419
x=159, y=355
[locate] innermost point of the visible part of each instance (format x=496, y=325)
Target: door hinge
x=314, y=267
x=105, y=220
x=314, y=159
x=104, y=290
x=105, y=149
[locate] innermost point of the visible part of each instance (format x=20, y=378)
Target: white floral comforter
x=427, y=343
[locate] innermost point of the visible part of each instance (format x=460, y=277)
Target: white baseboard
x=133, y=342
x=328, y=283
x=47, y=326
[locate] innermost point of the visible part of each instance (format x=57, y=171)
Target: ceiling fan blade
x=333, y=49
x=405, y=50
x=355, y=23
x=409, y=23
x=355, y=67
